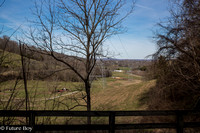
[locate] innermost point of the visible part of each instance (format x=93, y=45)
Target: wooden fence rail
x=179, y=125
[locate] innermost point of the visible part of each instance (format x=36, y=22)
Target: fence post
x=112, y=122
x=32, y=119
x=180, y=122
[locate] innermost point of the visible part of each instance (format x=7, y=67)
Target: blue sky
x=136, y=43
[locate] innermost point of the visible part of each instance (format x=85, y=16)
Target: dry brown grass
x=121, y=95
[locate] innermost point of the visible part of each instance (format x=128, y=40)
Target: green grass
x=12, y=63
x=120, y=74
x=42, y=87
x=125, y=94
x=126, y=75
x=107, y=93
x=38, y=92
x=124, y=68
x=11, y=60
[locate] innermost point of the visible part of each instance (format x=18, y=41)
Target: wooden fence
x=179, y=125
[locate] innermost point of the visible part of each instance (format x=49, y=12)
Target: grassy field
x=107, y=93
x=122, y=91
x=125, y=93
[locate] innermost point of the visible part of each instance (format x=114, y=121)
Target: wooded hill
x=39, y=66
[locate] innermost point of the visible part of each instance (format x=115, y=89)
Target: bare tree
x=179, y=39
x=73, y=31
x=24, y=63
x=1, y=4
x=178, y=56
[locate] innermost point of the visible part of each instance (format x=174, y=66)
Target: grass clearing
x=121, y=95
x=106, y=94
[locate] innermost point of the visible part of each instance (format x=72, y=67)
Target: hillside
x=51, y=86
x=46, y=77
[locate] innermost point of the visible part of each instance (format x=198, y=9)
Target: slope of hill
x=47, y=78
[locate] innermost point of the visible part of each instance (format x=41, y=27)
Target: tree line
x=177, y=61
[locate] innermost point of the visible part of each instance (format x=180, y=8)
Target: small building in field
x=117, y=77
x=119, y=71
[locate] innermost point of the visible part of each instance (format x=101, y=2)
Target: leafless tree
x=73, y=31
x=1, y=4
x=180, y=37
x=24, y=64
x=10, y=102
x=179, y=45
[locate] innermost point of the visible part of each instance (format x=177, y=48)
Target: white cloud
x=144, y=7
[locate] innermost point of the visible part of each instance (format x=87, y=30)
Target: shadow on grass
x=144, y=98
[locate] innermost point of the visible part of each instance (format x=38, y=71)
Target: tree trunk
x=87, y=88
x=24, y=77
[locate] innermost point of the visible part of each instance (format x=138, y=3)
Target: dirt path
x=51, y=98
x=46, y=99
